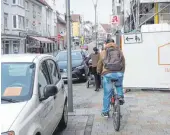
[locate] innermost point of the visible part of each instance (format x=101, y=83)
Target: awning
x=42, y=39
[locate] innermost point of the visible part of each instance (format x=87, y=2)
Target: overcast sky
x=85, y=8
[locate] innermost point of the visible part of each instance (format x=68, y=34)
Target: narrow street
x=144, y=113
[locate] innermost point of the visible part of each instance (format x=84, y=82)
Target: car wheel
x=64, y=120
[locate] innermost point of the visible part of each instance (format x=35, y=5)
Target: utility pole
x=69, y=58
x=95, y=9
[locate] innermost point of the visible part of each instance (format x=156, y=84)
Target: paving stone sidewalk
x=144, y=113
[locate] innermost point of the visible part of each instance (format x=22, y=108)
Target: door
x=56, y=80
x=46, y=106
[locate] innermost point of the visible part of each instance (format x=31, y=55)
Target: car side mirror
x=50, y=90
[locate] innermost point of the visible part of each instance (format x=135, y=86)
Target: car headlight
x=80, y=67
x=8, y=133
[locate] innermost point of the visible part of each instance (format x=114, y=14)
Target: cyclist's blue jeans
x=108, y=88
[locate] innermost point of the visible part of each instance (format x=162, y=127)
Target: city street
x=144, y=113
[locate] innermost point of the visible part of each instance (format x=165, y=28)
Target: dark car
x=79, y=67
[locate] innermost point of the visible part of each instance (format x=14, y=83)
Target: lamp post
x=95, y=10
x=69, y=58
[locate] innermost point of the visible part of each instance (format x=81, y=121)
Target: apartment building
x=26, y=26
x=12, y=24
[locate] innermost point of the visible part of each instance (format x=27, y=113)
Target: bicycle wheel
x=116, y=115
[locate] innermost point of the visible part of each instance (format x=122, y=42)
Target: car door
x=56, y=80
x=46, y=107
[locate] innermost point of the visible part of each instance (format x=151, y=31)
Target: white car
x=33, y=96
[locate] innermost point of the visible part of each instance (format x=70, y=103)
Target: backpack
x=113, y=60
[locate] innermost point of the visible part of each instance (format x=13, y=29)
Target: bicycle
x=115, y=104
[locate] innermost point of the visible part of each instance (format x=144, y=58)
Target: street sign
x=133, y=38
x=115, y=19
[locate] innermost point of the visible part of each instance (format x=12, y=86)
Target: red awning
x=42, y=39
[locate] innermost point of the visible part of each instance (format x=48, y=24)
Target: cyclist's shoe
x=121, y=100
x=105, y=114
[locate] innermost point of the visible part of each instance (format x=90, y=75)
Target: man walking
x=95, y=58
x=111, y=65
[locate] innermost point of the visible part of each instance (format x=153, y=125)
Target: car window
x=43, y=79
x=53, y=71
x=17, y=80
x=62, y=56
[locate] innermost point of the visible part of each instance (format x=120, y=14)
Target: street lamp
x=69, y=65
x=95, y=10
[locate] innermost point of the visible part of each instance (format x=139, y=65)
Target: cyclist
x=111, y=65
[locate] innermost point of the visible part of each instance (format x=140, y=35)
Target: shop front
x=11, y=44
x=39, y=45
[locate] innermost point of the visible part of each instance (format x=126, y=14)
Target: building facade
x=12, y=24
x=103, y=31
x=76, y=28
x=26, y=26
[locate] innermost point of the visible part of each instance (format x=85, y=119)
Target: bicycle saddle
x=114, y=80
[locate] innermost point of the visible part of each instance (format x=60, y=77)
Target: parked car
x=33, y=96
x=79, y=67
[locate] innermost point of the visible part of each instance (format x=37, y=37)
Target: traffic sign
x=132, y=38
x=59, y=36
x=115, y=19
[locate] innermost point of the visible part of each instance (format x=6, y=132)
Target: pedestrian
x=111, y=65
x=95, y=57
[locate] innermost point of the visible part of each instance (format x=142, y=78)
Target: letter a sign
x=115, y=19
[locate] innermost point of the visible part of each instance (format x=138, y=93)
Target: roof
x=75, y=18
x=22, y=57
x=106, y=27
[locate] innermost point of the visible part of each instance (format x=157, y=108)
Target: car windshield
x=16, y=81
x=62, y=56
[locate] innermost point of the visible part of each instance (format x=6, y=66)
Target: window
x=26, y=5
x=39, y=10
x=16, y=46
x=14, y=21
x=33, y=11
x=14, y=1
x=5, y=47
x=43, y=79
x=21, y=3
x=53, y=71
x=21, y=22
x=18, y=75
x=5, y=20
x=27, y=23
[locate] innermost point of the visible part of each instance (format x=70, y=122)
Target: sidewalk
x=144, y=113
